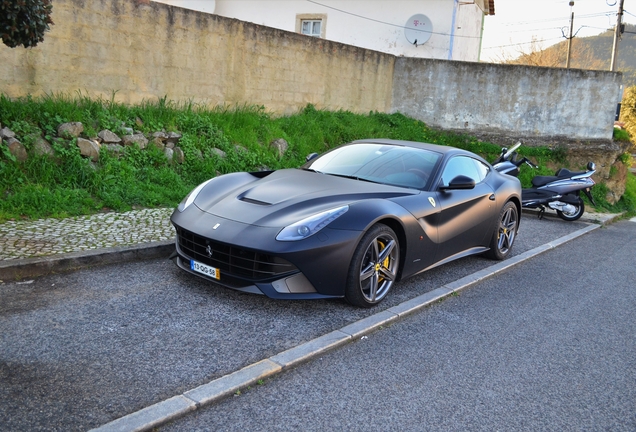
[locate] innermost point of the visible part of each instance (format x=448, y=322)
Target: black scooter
x=560, y=192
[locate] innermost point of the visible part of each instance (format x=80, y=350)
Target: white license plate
x=205, y=269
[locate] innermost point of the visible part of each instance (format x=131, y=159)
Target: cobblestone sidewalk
x=44, y=237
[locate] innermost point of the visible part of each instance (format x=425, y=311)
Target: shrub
x=23, y=22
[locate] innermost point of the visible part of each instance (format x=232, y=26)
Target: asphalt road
x=81, y=349
x=548, y=345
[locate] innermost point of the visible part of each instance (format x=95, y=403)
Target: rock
x=173, y=137
x=179, y=157
x=88, y=149
x=109, y=137
x=6, y=133
x=17, y=149
x=158, y=142
x=70, y=130
x=158, y=139
x=280, y=145
x=42, y=147
x=138, y=139
x=127, y=130
x=169, y=153
x=616, y=182
x=113, y=148
x=220, y=153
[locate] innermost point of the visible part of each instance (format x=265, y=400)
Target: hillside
x=601, y=48
x=593, y=52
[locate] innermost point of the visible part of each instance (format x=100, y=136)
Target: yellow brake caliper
x=385, y=263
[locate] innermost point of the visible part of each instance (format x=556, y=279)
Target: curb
x=41, y=266
x=207, y=394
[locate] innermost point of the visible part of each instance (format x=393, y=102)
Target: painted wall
x=140, y=50
x=520, y=101
x=373, y=24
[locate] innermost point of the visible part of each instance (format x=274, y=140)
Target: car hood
x=286, y=196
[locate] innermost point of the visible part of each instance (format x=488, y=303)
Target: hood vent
x=253, y=201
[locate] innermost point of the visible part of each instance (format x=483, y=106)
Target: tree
x=628, y=111
x=23, y=22
x=582, y=56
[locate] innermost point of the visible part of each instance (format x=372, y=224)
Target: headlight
x=311, y=225
x=192, y=196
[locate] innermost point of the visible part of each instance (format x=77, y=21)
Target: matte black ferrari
x=349, y=223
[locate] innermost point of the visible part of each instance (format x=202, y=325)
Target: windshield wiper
x=312, y=170
x=354, y=177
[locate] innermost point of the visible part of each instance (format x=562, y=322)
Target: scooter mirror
x=591, y=166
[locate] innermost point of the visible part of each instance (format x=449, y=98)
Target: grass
x=69, y=185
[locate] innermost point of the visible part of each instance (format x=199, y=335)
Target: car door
x=466, y=215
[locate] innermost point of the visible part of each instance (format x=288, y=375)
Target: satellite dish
x=418, y=29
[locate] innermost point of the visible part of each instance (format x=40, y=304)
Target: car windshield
x=380, y=163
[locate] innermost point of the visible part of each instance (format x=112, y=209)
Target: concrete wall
x=522, y=101
x=146, y=50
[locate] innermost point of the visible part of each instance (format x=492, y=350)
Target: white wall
x=206, y=6
x=371, y=24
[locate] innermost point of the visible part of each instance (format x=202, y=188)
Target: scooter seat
x=543, y=180
x=566, y=173
x=563, y=173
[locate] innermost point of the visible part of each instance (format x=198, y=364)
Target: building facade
x=438, y=29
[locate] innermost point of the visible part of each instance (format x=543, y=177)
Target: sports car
x=348, y=223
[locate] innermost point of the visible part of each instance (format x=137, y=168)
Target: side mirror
x=311, y=156
x=591, y=166
x=461, y=182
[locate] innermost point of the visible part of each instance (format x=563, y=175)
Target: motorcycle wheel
x=572, y=216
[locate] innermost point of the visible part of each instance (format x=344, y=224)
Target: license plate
x=205, y=269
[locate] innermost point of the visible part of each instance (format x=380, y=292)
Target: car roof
x=426, y=146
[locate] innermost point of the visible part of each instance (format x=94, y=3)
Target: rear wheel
x=575, y=214
x=505, y=232
x=373, y=268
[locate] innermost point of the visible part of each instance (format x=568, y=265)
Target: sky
x=517, y=22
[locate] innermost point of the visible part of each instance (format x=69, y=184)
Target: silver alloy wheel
x=379, y=267
x=507, y=230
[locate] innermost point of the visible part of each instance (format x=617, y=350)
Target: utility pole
x=567, y=61
x=617, y=36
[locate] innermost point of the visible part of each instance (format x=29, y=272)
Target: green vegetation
x=628, y=112
x=68, y=184
x=24, y=22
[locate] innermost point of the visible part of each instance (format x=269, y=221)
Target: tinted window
x=464, y=165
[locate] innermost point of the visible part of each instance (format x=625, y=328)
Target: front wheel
x=575, y=214
x=505, y=233
x=374, y=267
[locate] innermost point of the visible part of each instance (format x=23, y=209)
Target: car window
x=464, y=165
x=388, y=164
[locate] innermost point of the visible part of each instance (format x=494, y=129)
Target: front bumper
x=250, y=259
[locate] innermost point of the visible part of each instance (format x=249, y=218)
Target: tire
x=505, y=232
x=580, y=208
x=374, y=267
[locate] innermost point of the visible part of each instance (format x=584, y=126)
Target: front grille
x=239, y=266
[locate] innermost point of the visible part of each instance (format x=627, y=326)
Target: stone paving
x=43, y=237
